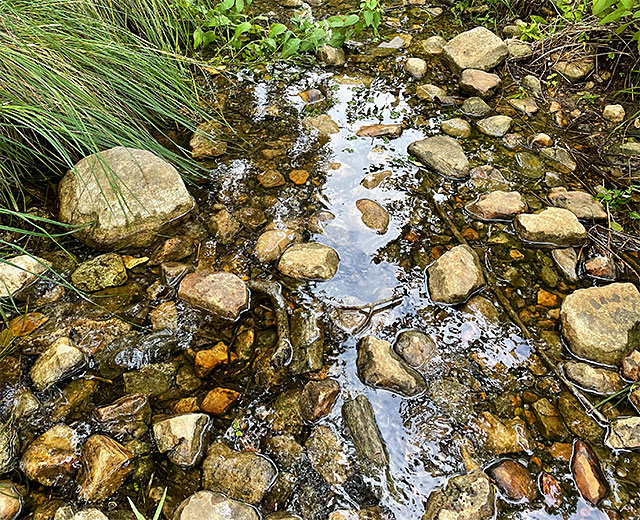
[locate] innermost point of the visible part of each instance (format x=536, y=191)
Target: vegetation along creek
x=328, y=260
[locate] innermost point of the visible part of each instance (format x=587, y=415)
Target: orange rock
x=561, y=451
x=207, y=360
x=218, y=400
x=516, y=255
x=469, y=234
x=551, y=491
x=186, y=405
x=547, y=299
x=587, y=473
x=299, y=176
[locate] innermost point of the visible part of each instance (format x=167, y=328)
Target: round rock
x=456, y=127
x=222, y=294
x=311, y=261
x=478, y=48
x=495, y=126
x=374, y=216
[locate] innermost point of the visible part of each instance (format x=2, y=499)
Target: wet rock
x=103, y=271
x=519, y=50
x=271, y=244
x=587, y=473
x=631, y=366
x=548, y=421
x=330, y=55
x=624, y=433
x=527, y=106
x=478, y=48
x=182, y=437
x=634, y=399
x=322, y=123
x=495, y=126
x=18, y=272
x=541, y=140
x=128, y=194
x=154, y=379
x=416, y=67
x=532, y=84
x=373, y=180
x=127, y=416
x=580, y=203
x=224, y=226
x=307, y=340
x=567, y=261
x=387, y=48
x=59, y=361
x=390, y=131
x=207, y=360
x=555, y=226
x=599, y=323
x=218, y=400
x=453, y=398
x=11, y=501
x=271, y=179
x=443, y=155
x=317, y=398
x=286, y=412
x=164, y=316
x=601, y=266
x=222, y=294
x=481, y=306
x=214, y=506
x=379, y=366
x=456, y=127
x=514, y=480
x=105, y=466
x=416, y=348
x=361, y=423
x=479, y=83
x=311, y=261
x=254, y=218
x=327, y=456
x=206, y=141
x=431, y=93
x=475, y=107
x=577, y=420
x=455, y=275
x=597, y=380
x=433, y=46
x=575, y=70
x=501, y=205
x=487, y=175
x=245, y=475
x=52, y=458
x=466, y=497
x=551, y=491
x=614, y=114
x=282, y=515
x=500, y=437
x=374, y=216
x=560, y=158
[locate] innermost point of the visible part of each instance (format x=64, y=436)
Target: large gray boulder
x=455, y=275
x=600, y=324
x=126, y=193
x=443, y=155
x=478, y=48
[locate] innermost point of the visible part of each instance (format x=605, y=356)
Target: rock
x=224, y=226
x=9, y=446
x=66, y=513
x=580, y=203
x=207, y=360
x=431, y=93
x=416, y=67
x=614, y=114
x=59, y=361
x=624, y=433
x=456, y=127
x=154, y=379
x=575, y=70
x=601, y=266
x=271, y=179
x=527, y=106
x=498, y=205
x=164, y=316
x=455, y=275
x=567, y=261
x=128, y=194
x=18, y=272
x=514, y=480
x=331, y=55
x=374, y=216
x=631, y=366
x=453, y=398
x=433, y=46
x=11, y=501
x=244, y=475
x=630, y=148
x=577, y=420
x=519, y=50
x=466, y=497
x=218, y=400
x=541, y=140
x=548, y=421
x=222, y=294
x=361, y=423
x=206, y=143
x=500, y=437
x=495, y=126
x=478, y=48
x=387, y=48
x=390, y=131
x=311, y=261
x=182, y=437
x=105, y=466
x=479, y=83
x=486, y=175
x=480, y=306
x=551, y=491
x=327, y=456
x=307, y=340
x=597, y=380
x=442, y=154
x=416, y=348
x=379, y=366
x=554, y=226
x=587, y=473
x=475, y=107
x=271, y=244
x=322, y=123
x=52, y=458
x=317, y=398
x=374, y=179
x=254, y=218
x=206, y=505
x=600, y=323
x=127, y=416
x=532, y=84
x=298, y=177
x=560, y=158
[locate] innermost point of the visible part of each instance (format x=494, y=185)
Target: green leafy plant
x=625, y=13
x=618, y=199
x=157, y=513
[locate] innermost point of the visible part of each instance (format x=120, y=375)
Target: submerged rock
x=322, y=123
x=597, y=380
x=206, y=143
x=416, y=67
x=600, y=323
x=466, y=497
x=311, y=261
x=307, y=341
x=183, y=437
x=434, y=45
x=374, y=216
x=560, y=158
x=390, y=131
x=18, y=272
x=443, y=155
x=222, y=294
x=498, y=437
x=213, y=506
x=272, y=243
x=587, y=473
x=498, y=205
x=580, y=203
x=219, y=400
x=453, y=398
x=553, y=226
x=624, y=433
x=52, y=459
x=127, y=416
x=548, y=421
x=59, y=361
x=317, y=398
x=128, y=195
x=479, y=83
x=478, y=48
x=416, y=348
x=11, y=501
x=475, y=107
x=455, y=275
x=361, y=423
x=577, y=420
x=495, y=126
x=379, y=366
x=456, y=127
x=514, y=480
x=328, y=456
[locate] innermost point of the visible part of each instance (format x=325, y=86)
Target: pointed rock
x=455, y=275
x=587, y=473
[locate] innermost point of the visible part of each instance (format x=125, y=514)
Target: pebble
x=330, y=55
x=52, y=459
x=322, y=123
x=549, y=421
x=224, y=226
x=583, y=205
x=587, y=473
x=624, y=433
x=551, y=491
x=567, y=261
x=456, y=127
x=182, y=437
x=527, y=106
x=317, y=398
x=416, y=67
x=390, y=131
x=498, y=205
x=433, y=46
x=328, y=456
x=416, y=348
x=514, y=480
x=373, y=215
x=127, y=416
x=631, y=366
x=11, y=501
x=443, y=155
x=475, y=107
x=469, y=497
x=164, y=316
x=361, y=422
x=575, y=70
x=478, y=48
x=224, y=295
x=593, y=379
x=614, y=114
x=58, y=362
x=205, y=143
x=542, y=140
x=99, y=273
x=272, y=243
x=105, y=466
x=431, y=93
x=271, y=179
x=219, y=400
x=500, y=437
x=373, y=180
x=495, y=126
x=310, y=261
x=213, y=506
x=560, y=158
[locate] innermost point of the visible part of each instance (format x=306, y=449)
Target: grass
x=158, y=511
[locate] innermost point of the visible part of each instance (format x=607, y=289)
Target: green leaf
x=602, y=5
x=197, y=38
x=239, y=5
x=290, y=48
x=615, y=226
x=227, y=4
x=335, y=21
x=276, y=30
x=241, y=28
x=368, y=17
x=352, y=19
x=634, y=215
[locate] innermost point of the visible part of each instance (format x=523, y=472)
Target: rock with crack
x=465, y=497
x=442, y=154
x=455, y=275
x=183, y=438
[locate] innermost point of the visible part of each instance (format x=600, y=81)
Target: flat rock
x=478, y=48
x=379, y=366
x=224, y=226
x=206, y=142
x=587, y=473
x=182, y=437
x=307, y=340
x=222, y=294
x=19, y=272
x=577, y=420
x=580, y=203
x=600, y=323
x=624, y=433
x=498, y=205
x=575, y=70
x=374, y=216
x=527, y=106
x=60, y=360
x=361, y=422
x=311, y=261
x=328, y=456
x=560, y=159
x=430, y=92
x=443, y=155
x=330, y=55
x=519, y=50
x=374, y=179
x=495, y=126
x=322, y=123
x=456, y=127
x=567, y=262
x=479, y=83
x=128, y=194
x=475, y=107
x=127, y=416
x=213, y=506
x=554, y=226
x=549, y=421
x=272, y=243
x=433, y=46
x=390, y=131
x=514, y=480
x=501, y=437
x=103, y=271
x=466, y=497
x=593, y=379
x=455, y=275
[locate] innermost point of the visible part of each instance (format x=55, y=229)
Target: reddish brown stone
x=514, y=480
x=207, y=360
x=317, y=398
x=550, y=490
x=587, y=473
x=380, y=131
x=219, y=400
x=223, y=294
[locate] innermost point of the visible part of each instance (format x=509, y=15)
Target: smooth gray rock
x=361, y=423
x=443, y=155
x=207, y=505
x=495, y=126
x=183, y=437
x=554, y=226
x=456, y=127
x=475, y=107
x=478, y=48
x=416, y=348
x=498, y=205
x=580, y=203
x=455, y=275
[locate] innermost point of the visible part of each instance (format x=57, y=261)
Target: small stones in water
x=614, y=114
x=631, y=366
x=587, y=473
x=551, y=491
x=164, y=316
x=307, y=340
x=374, y=216
x=580, y=203
x=514, y=480
x=601, y=266
x=11, y=500
x=541, y=140
x=272, y=243
x=317, y=398
x=361, y=423
x=99, y=273
x=312, y=96
x=182, y=437
x=443, y=155
x=475, y=107
x=311, y=261
x=478, y=48
x=206, y=143
x=456, y=127
x=214, y=506
x=59, y=361
x=431, y=93
x=495, y=126
x=208, y=359
x=479, y=83
x=222, y=294
x=271, y=179
x=469, y=497
x=298, y=177
x=592, y=379
x=373, y=180
x=433, y=46
x=218, y=401
x=560, y=158
x=52, y=459
x=555, y=226
x=416, y=67
x=390, y=131
x=330, y=55
x=19, y=272
x=129, y=415
x=455, y=275
x=322, y=123
x=500, y=205
x=624, y=433
x=328, y=456
x=548, y=421
x=224, y=226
